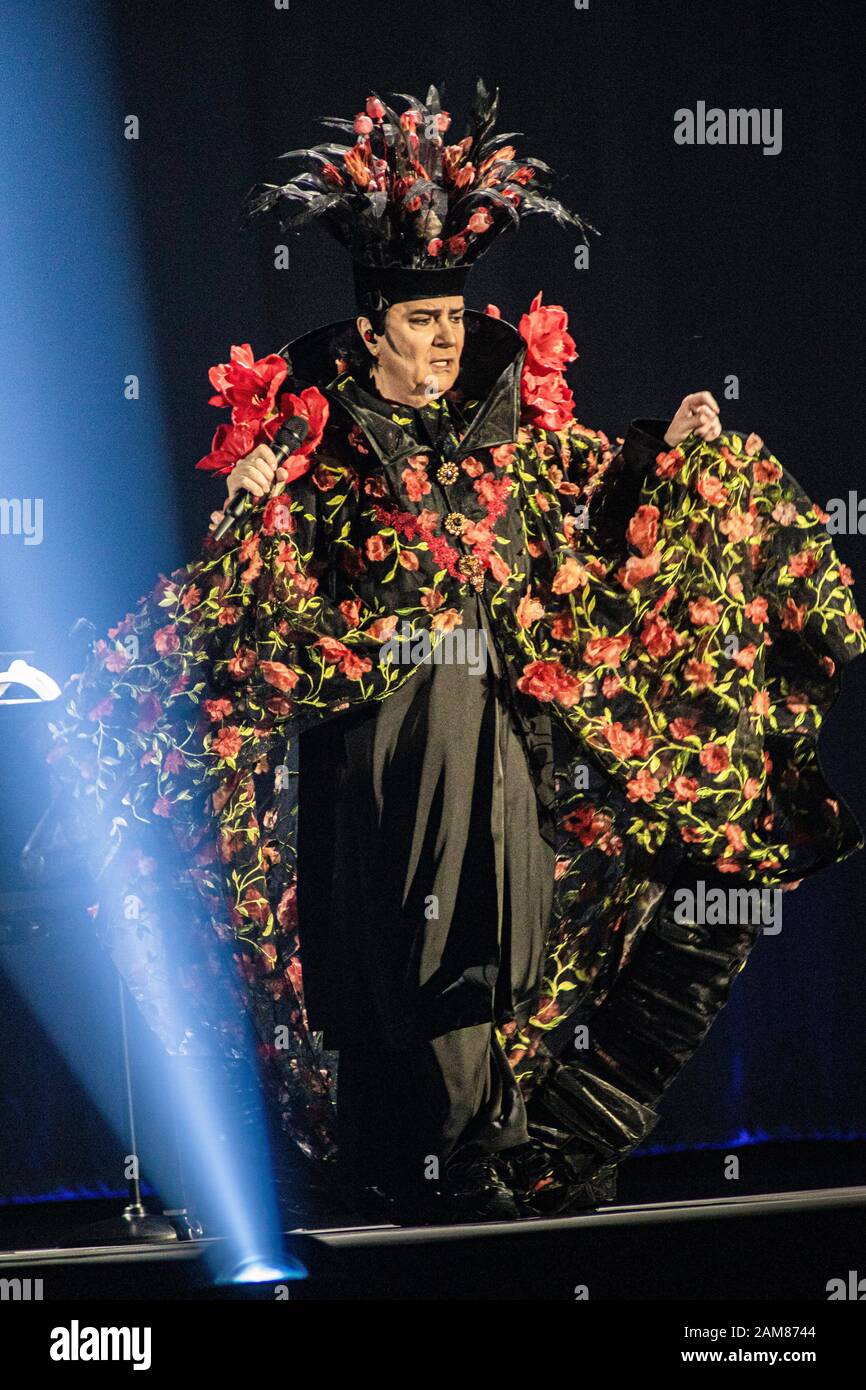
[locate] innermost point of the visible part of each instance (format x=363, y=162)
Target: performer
x=433, y=869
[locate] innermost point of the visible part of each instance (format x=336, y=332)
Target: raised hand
x=698, y=414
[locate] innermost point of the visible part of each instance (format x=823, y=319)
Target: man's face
x=418, y=355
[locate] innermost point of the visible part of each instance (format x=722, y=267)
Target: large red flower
x=643, y=529
x=229, y=444
x=250, y=387
x=314, y=407
x=549, y=344
x=547, y=398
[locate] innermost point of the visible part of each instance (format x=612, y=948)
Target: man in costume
x=459, y=875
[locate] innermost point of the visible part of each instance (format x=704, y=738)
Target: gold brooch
x=472, y=569
x=456, y=522
x=448, y=472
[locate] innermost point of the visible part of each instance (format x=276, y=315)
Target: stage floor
x=770, y=1246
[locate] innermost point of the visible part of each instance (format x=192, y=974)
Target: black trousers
x=430, y=930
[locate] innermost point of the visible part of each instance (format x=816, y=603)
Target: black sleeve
x=644, y=440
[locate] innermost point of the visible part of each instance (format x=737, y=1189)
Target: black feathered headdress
x=413, y=211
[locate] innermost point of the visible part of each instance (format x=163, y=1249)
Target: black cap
x=380, y=286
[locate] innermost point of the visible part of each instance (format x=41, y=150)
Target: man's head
x=416, y=348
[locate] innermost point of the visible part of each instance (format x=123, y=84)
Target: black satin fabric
x=647, y=1027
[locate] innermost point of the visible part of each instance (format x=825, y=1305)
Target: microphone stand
x=135, y=1225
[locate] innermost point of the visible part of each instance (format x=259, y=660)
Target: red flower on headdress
x=357, y=163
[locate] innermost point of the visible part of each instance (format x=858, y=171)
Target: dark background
x=712, y=261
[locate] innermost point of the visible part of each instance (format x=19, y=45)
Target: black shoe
x=548, y=1180
x=596, y=1191
x=474, y=1187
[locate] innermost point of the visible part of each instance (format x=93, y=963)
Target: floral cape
x=688, y=653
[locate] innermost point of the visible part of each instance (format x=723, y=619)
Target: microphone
x=286, y=441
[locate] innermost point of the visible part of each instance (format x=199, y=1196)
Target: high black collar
x=490, y=368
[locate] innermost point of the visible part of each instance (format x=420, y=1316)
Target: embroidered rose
x=643, y=529
x=278, y=674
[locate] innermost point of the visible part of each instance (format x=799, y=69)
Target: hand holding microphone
x=255, y=475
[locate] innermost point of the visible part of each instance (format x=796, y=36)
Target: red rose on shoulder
x=314, y=407
x=248, y=386
x=547, y=398
x=545, y=330
x=230, y=443
x=549, y=346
